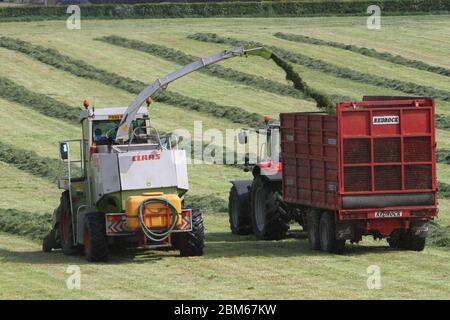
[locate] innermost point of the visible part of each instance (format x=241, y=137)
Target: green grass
x=232, y=267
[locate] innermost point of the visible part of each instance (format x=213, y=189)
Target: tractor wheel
x=49, y=242
x=95, y=240
x=240, y=221
x=191, y=243
x=266, y=220
x=66, y=233
x=328, y=241
x=313, y=223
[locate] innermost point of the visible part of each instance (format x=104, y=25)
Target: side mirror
x=64, y=150
x=242, y=137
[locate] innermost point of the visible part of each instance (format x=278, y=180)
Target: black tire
x=313, y=224
x=267, y=223
x=95, y=239
x=49, y=242
x=191, y=243
x=328, y=241
x=66, y=235
x=239, y=213
x=410, y=242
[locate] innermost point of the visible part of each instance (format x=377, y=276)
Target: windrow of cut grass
x=29, y=161
x=369, y=52
x=27, y=224
x=11, y=91
x=328, y=68
x=80, y=68
x=443, y=156
x=181, y=58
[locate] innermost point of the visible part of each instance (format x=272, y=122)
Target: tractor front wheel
x=238, y=211
x=95, y=240
x=191, y=243
x=66, y=229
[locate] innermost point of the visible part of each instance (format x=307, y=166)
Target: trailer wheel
x=313, y=223
x=49, y=242
x=267, y=223
x=95, y=240
x=328, y=241
x=191, y=243
x=66, y=234
x=410, y=242
x=240, y=221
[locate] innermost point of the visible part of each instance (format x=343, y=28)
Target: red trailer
x=368, y=170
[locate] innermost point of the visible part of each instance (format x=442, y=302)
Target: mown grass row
x=369, y=52
x=29, y=161
x=331, y=69
x=181, y=58
x=11, y=91
x=438, y=235
x=80, y=68
x=27, y=224
x=443, y=156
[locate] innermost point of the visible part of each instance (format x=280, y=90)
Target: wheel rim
x=65, y=225
x=260, y=209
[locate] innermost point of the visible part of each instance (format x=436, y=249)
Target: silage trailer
x=370, y=169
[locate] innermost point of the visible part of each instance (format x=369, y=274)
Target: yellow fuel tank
x=156, y=215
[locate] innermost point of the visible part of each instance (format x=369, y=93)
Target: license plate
x=388, y=214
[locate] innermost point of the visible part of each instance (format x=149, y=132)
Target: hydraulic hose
x=157, y=235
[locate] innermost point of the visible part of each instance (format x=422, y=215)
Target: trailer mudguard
x=383, y=201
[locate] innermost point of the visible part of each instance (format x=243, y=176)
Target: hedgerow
x=82, y=69
x=218, y=71
x=226, y=9
x=41, y=103
x=328, y=68
x=386, y=56
x=31, y=225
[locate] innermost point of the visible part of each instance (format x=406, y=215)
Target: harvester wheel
x=191, y=243
x=410, y=242
x=328, y=241
x=313, y=223
x=95, y=240
x=240, y=221
x=267, y=222
x=49, y=242
x=66, y=227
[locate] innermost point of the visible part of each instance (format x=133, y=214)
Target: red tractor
x=368, y=170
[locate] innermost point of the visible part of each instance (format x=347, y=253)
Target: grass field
x=232, y=267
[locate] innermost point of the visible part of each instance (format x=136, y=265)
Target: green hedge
x=82, y=69
x=369, y=52
x=227, y=9
x=218, y=71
